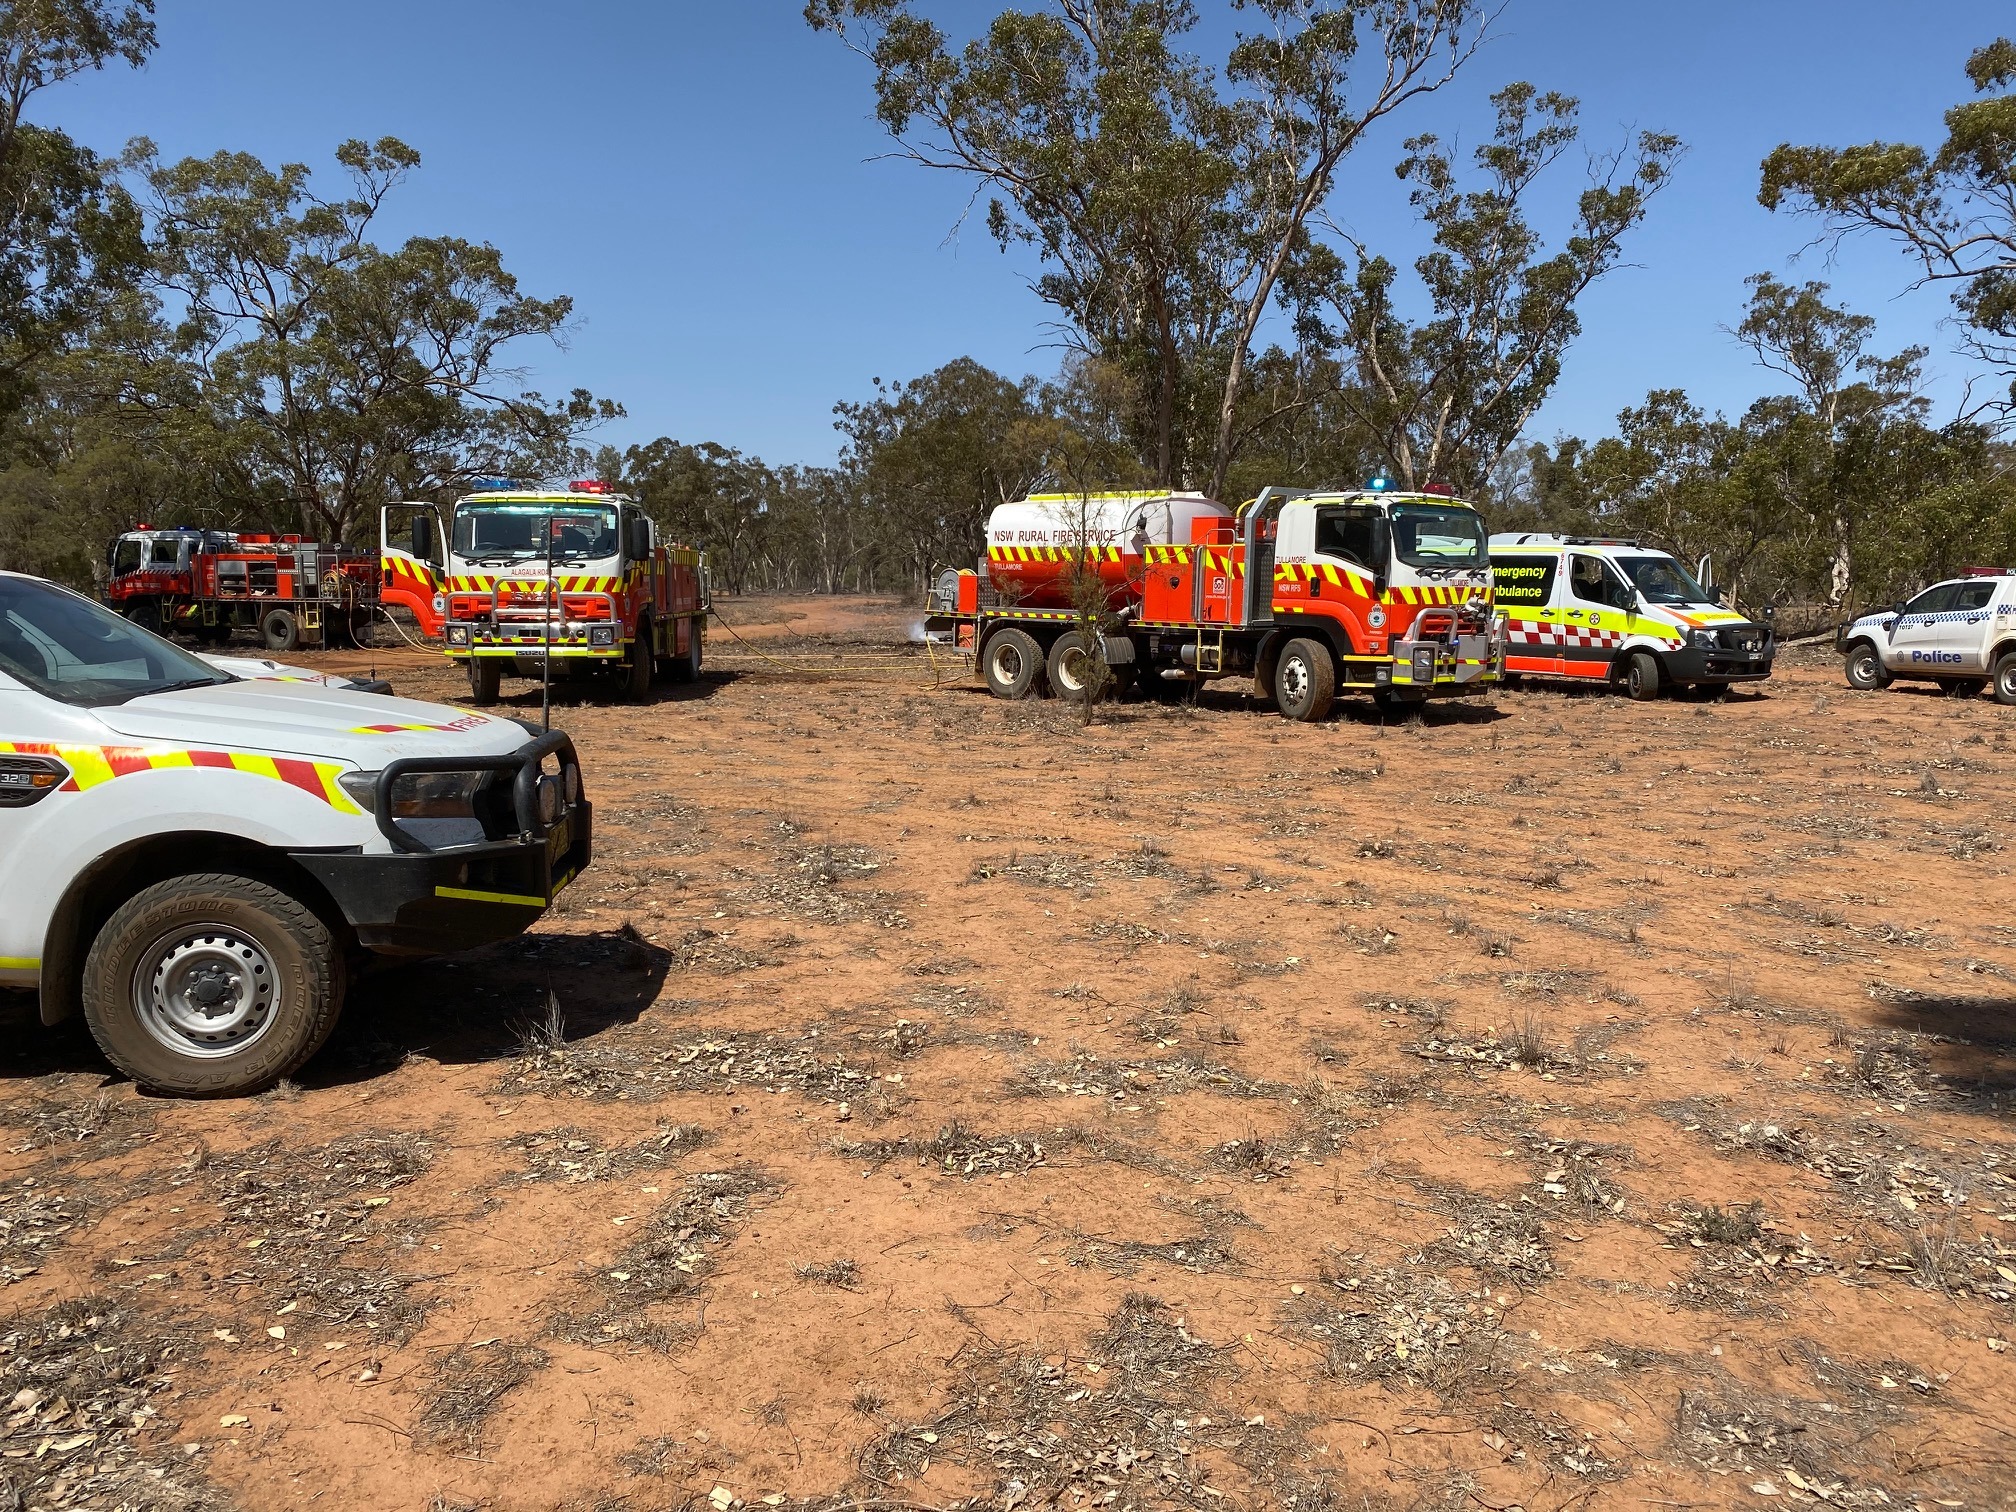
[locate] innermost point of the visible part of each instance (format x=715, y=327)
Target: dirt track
x=1555, y=1102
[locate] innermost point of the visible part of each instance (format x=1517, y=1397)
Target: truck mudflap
x=1463, y=669
x=423, y=900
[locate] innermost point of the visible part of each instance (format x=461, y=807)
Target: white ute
x=197, y=857
x=1960, y=633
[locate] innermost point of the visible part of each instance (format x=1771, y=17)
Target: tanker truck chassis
x=1311, y=594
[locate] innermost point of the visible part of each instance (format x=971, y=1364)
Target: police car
x=195, y=856
x=1960, y=633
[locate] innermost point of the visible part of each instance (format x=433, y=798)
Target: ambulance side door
x=1592, y=614
x=1524, y=585
x=1914, y=648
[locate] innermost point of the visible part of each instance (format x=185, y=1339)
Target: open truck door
x=412, y=556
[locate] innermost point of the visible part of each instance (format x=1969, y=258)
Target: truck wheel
x=279, y=630
x=147, y=615
x=1305, y=681
x=1641, y=676
x=637, y=675
x=684, y=669
x=212, y=986
x=1074, y=671
x=1864, y=669
x=2005, y=679
x=1013, y=665
x=486, y=678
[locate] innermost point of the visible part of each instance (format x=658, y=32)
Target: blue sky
x=702, y=177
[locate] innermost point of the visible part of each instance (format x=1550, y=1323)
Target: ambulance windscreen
x=1438, y=535
x=1663, y=580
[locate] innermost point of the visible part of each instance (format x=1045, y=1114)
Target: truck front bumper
x=420, y=901
x=1441, y=669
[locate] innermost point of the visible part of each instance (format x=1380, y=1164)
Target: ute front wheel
x=486, y=678
x=2005, y=679
x=1013, y=665
x=1864, y=669
x=1305, y=681
x=212, y=986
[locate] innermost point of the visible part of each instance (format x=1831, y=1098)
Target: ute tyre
x=212, y=985
x=1864, y=669
x=486, y=680
x=1641, y=676
x=279, y=630
x=1074, y=672
x=1305, y=681
x=1013, y=665
x=2005, y=678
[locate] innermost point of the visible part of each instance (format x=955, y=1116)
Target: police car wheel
x=212, y=986
x=1013, y=665
x=1864, y=669
x=1641, y=676
x=2005, y=679
x=1305, y=681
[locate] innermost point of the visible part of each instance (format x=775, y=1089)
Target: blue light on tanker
x=1379, y=483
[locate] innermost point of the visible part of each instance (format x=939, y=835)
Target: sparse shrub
x=1717, y=1225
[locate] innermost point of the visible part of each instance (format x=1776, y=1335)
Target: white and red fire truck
x=519, y=576
x=206, y=583
x=1312, y=593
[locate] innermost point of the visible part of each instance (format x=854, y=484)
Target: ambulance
x=1960, y=634
x=1596, y=609
x=196, y=858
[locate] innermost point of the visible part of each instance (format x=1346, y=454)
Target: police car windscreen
x=78, y=652
x=1663, y=580
x=517, y=532
x=1431, y=535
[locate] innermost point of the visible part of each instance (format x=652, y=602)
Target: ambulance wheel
x=1966, y=687
x=212, y=986
x=1641, y=676
x=1013, y=665
x=1074, y=670
x=486, y=679
x=279, y=630
x=2005, y=679
x=1305, y=681
x=1864, y=669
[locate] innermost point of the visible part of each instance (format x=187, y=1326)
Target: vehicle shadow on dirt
x=458, y=1010
x=489, y=1004
x=1969, y=1041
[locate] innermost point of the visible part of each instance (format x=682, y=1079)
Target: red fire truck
x=1369, y=591
x=207, y=583
x=521, y=575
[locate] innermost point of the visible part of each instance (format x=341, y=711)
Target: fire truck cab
x=515, y=577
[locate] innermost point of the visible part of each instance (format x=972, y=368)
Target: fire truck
x=207, y=583
x=518, y=576
x=1370, y=590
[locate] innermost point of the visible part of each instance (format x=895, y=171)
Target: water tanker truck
x=1311, y=593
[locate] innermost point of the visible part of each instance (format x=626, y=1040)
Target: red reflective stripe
x=300, y=774
x=219, y=759
x=124, y=760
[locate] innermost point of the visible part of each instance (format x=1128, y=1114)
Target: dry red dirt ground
x=1552, y=1102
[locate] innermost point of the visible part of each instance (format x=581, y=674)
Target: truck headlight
x=458, y=635
x=601, y=635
